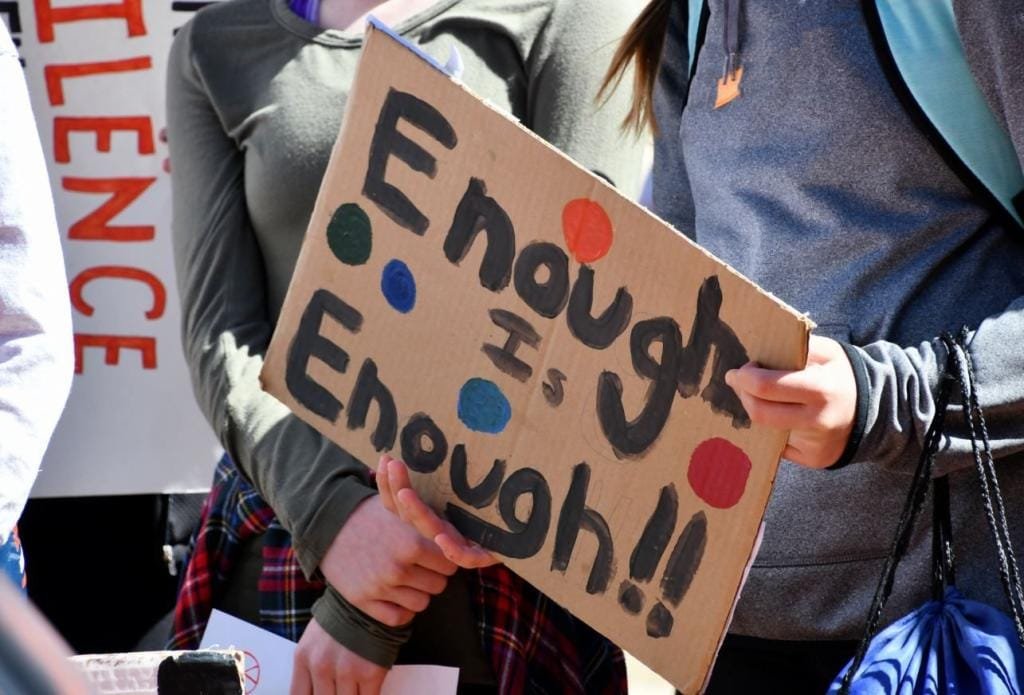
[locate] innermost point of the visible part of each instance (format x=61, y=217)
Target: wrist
x=860, y=414
x=311, y=543
x=358, y=632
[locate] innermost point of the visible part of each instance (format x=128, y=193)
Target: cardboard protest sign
x=546, y=355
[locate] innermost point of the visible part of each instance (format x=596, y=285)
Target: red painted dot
x=718, y=472
x=587, y=229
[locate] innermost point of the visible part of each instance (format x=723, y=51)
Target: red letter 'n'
x=94, y=226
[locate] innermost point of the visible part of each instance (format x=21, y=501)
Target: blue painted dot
x=483, y=407
x=398, y=286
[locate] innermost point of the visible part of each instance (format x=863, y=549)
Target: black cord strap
x=992, y=498
x=943, y=572
x=958, y=369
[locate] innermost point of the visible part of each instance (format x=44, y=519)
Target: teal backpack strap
x=925, y=45
x=696, y=22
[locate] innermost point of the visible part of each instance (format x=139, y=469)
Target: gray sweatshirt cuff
x=899, y=399
x=860, y=417
x=358, y=632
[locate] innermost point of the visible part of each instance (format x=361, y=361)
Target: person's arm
x=874, y=404
x=903, y=381
x=991, y=31
x=35, y=314
x=897, y=385
x=311, y=484
x=314, y=487
x=565, y=68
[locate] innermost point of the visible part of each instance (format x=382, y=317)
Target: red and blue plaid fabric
x=534, y=645
x=234, y=513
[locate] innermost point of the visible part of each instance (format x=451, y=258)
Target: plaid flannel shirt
x=532, y=644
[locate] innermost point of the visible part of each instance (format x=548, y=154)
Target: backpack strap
x=696, y=23
x=925, y=45
x=921, y=50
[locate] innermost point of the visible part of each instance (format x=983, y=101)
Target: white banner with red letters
x=95, y=71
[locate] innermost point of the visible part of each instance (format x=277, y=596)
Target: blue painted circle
x=398, y=286
x=483, y=407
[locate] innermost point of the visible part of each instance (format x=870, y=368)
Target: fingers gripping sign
x=816, y=404
x=398, y=496
x=398, y=571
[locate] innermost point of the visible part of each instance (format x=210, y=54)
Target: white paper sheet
x=268, y=662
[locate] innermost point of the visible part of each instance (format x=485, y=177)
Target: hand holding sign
x=399, y=497
x=398, y=571
x=817, y=404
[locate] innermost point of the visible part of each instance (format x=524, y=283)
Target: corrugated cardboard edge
x=736, y=601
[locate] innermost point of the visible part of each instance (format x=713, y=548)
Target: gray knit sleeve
x=903, y=381
x=312, y=484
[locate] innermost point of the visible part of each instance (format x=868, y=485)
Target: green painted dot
x=349, y=234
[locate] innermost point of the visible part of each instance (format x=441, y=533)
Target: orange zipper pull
x=729, y=84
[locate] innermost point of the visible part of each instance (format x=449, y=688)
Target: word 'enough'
x=681, y=366
x=425, y=448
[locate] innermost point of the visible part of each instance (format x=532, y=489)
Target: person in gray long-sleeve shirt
x=818, y=184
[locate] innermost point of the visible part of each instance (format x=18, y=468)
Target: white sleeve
x=36, y=359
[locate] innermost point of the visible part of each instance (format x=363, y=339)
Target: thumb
x=821, y=350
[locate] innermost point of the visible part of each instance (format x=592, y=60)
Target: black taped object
x=200, y=673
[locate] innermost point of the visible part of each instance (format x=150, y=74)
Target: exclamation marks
x=648, y=551
x=682, y=563
x=682, y=566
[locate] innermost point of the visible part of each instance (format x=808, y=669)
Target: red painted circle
x=252, y=672
x=718, y=472
x=587, y=229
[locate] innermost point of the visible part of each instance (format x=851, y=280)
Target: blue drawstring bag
x=951, y=645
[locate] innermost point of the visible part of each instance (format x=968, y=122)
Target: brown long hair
x=641, y=47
